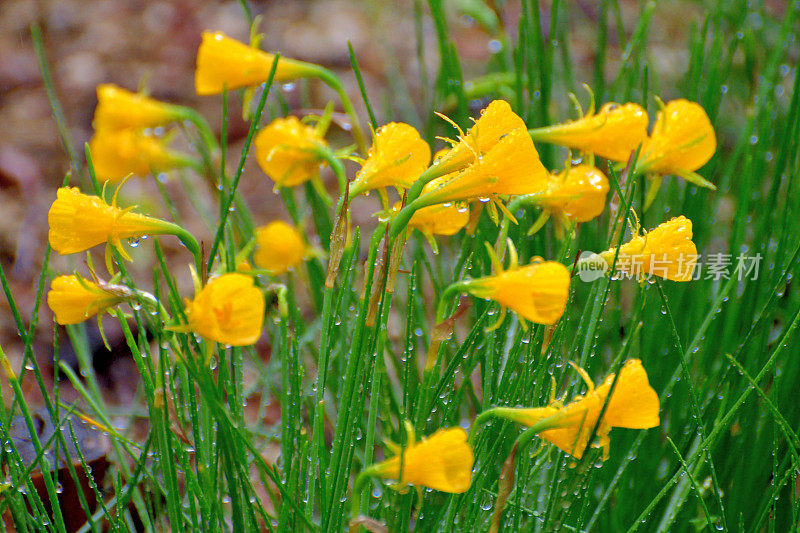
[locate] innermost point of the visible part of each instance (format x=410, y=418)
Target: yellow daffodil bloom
x=667, y=252
x=633, y=404
x=398, y=156
x=279, y=247
x=613, y=132
x=223, y=62
x=118, y=108
x=119, y=153
x=288, y=151
x=537, y=292
x=510, y=166
x=496, y=120
x=682, y=141
x=74, y=300
x=228, y=310
x=442, y=462
x=79, y=222
x=578, y=193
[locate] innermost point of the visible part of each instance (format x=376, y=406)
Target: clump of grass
x=348, y=367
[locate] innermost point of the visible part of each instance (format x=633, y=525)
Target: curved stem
x=203, y=129
x=479, y=420
x=333, y=81
x=448, y=293
x=337, y=167
x=433, y=172
x=355, y=497
x=188, y=240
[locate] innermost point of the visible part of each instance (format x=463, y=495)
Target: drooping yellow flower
x=118, y=108
x=667, y=252
x=510, y=166
x=223, y=62
x=442, y=462
x=633, y=404
x=537, y=292
x=496, y=120
x=682, y=141
x=279, y=247
x=74, y=300
x=228, y=310
x=578, y=193
x=79, y=222
x=613, y=132
x=118, y=153
x=288, y=151
x=398, y=156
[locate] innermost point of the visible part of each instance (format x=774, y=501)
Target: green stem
x=333, y=81
x=188, y=241
x=203, y=129
x=449, y=292
x=337, y=167
x=358, y=486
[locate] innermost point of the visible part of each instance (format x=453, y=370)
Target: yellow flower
x=398, y=156
x=496, y=120
x=73, y=299
x=510, y=166
x=223, y=62
x=279, y=247
x=288, y=151
x=667, y=252
x=228, y=310
x=682, y=141
x=79, y=222
x=118, y=108
x=442, y=462
x=578, y=193
x=613, y=132
x=634, y=405
x=537, y=292
x=118, y=153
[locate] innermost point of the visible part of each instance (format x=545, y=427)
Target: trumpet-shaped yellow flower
x=279, y=247
x=613, y=132
x=118, y=108
x=633, y=404
x=667, y=252
x=537, y=292
x=578, y=193
x=223, y=62
x=510, y=166
x=288, y=151
x=682, y=141
x=496, y=120
x=73, y=299
x=118, y=153
x=442, y=462
x=79, y=222
x=398, y=156
x=229, y=310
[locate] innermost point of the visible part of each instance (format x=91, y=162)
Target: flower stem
x=203, y=129
x=188, y=240
x=333, y=81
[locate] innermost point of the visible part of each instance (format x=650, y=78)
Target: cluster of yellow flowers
x=494, y=161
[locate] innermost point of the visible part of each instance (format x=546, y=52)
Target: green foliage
x=721, y=353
